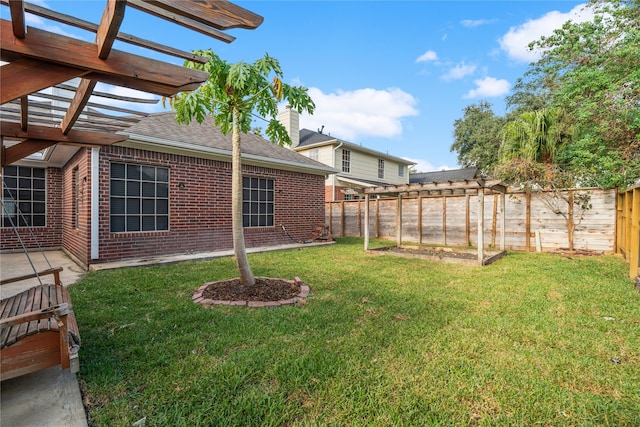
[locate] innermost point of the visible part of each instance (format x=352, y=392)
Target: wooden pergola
x=477, y=187
x=32, y=120
x=38, y=60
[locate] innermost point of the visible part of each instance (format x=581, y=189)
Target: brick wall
x=200, y=207
x=47, y=237
x=76, y=237
x=200, y=210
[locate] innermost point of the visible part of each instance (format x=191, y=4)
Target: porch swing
x=38, y=329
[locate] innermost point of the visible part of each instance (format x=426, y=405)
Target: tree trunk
x=239, y=249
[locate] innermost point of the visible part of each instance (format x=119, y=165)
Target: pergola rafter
x=38, y=60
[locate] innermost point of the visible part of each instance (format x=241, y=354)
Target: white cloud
x=350, y=115
x=489, y=87
x=473, y=23
x=459, y=71
x=515, y=43
x=427, y=57
x=422, y=165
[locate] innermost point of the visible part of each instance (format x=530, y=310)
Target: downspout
x=95, y=200
x=333, y=192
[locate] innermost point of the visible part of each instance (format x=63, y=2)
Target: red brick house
x=164, y=191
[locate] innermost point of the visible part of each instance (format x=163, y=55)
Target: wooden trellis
x=443, y=189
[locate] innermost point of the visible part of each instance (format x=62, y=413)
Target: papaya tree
x=233, y=94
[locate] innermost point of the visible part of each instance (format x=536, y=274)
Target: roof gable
x=311, y=139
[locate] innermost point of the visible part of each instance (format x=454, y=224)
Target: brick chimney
x=290, y=119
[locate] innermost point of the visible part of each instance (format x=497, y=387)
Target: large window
x=257, y=202
x=380, y=169
x=24, y=198
x=346, y=161
x=139, y=198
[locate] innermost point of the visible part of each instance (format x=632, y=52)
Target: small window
x=401, y=171
x=257, y=202
x=313, y=154
x=380, y=169
x=24, y=196
x=346, y=161
x=139, y=198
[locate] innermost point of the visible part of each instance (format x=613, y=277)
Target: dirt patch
x=437, y=252
x=441, y=254
x=575, y=252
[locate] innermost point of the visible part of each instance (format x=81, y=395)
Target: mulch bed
x=265, y=289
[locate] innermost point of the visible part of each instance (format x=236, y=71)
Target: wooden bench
x=38, y=329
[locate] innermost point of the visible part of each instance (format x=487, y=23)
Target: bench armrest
x=60, y=310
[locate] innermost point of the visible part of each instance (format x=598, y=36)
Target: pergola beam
x=25, y=148
x=218, y=14
x=25, y=76
x=121, y=68
x=47, y=133
x=105, y=37
x=128, y=38
x=16, y=10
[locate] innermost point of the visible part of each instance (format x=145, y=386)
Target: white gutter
x=95, y=200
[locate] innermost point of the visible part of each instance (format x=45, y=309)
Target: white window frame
x=144, y=198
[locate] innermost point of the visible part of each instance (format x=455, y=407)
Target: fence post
x=399, y=222
x=467, y=220
x=342, y=218
x=480, y=225
x=419, y=219
x=634, y=247
x=366, y=222
x=444, y=220
x=527, y=221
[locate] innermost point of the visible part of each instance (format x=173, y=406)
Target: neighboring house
x=450, y=175
x=358, y=167
x=164, y=191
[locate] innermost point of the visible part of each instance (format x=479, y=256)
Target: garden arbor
x=478, y=187
x=48, y=104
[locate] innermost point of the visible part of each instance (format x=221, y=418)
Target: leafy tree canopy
x=251, y=89
x=590, y=72
x=477, y=137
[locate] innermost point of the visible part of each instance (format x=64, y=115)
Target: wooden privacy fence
x=628, y=228
x=534, y=221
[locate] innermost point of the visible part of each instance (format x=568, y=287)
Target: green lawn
x=533, y=339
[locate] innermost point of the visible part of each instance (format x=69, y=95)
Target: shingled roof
x=444, y=176
x=161, y=132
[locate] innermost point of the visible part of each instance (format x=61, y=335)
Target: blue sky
x=390, y=75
